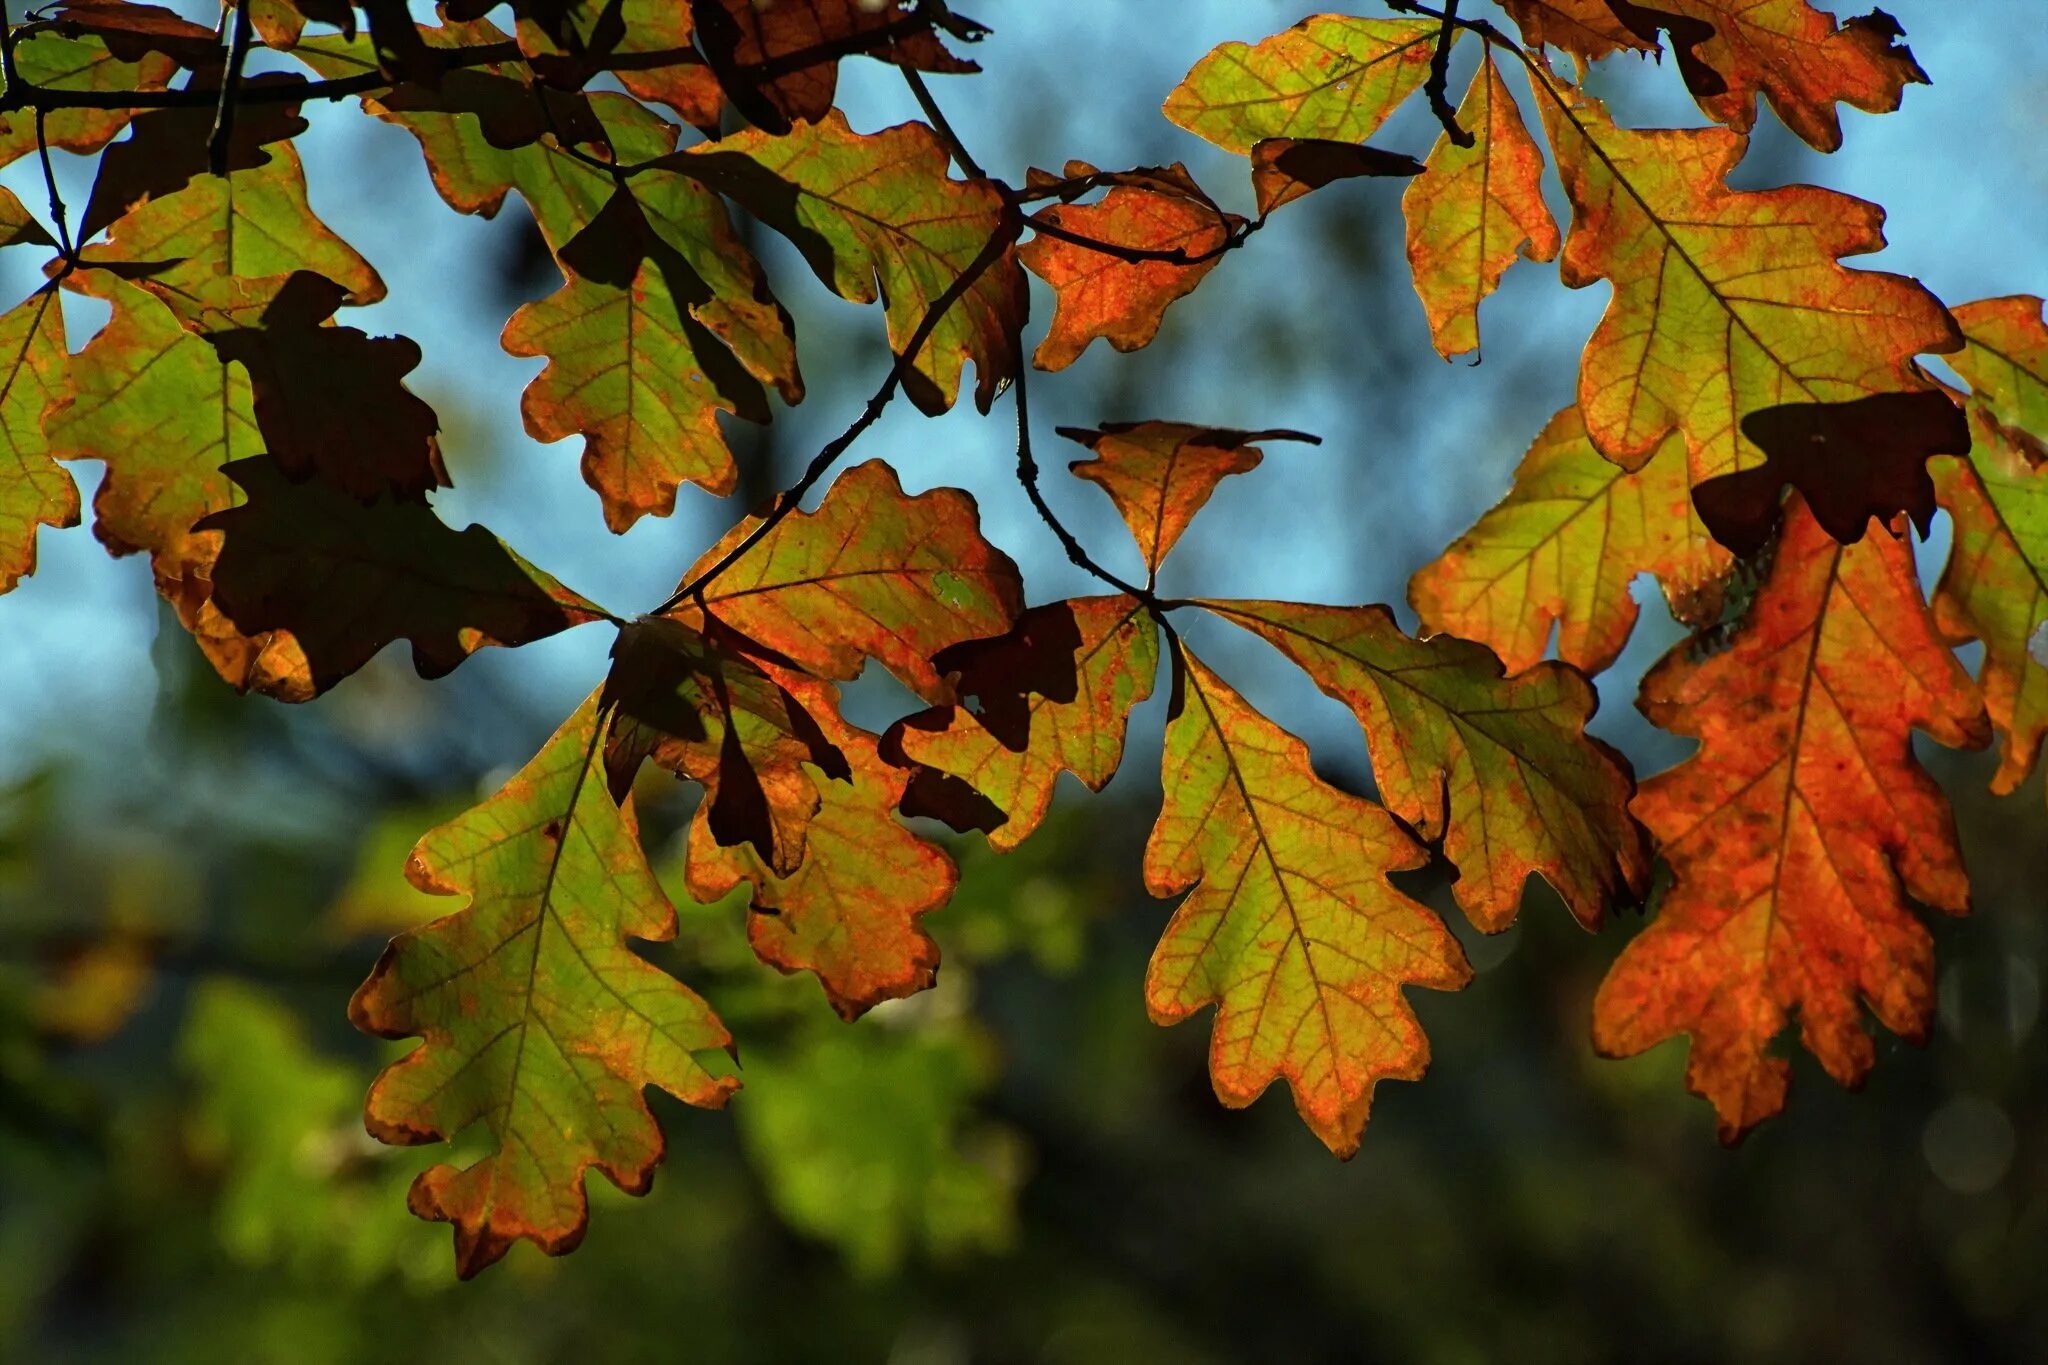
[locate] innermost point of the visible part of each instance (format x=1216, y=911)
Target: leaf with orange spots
x=1292, y=928
x=541, y=1024
x=850, y=914
x=1725, y=301
x=1798, y=830
x=1562, y=548
x=1501, y=769
x=1474, y=211
x=873, y=573
x=37, y=491
x=779, y=60
x=1100, y=294
x=1797, y=57
x=1051, y=696
x=79, y=64
x=877, y=215
x=1995, y=587
x=1159, y=474
x=1330, y=76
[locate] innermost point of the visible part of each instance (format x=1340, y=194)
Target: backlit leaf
x=872, y=574
x=1499, y=768
x=1051, y=696
x=37, y=491
x=1562, y=548
x=1474, y=211
x=1292, y=929
x=54, y=61
x=850, y=913
x=540, y=1021
x=1330, y=76
x=1159, y=474
x=877, y=215
x=1588, y=29
x=1995, y=587
x=1725, y=301
x=779, y=60
x=2005, y=363
x=1098, y=294
x=1797, y=831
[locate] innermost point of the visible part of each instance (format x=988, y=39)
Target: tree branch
x=1437, y=87
x=218, y=145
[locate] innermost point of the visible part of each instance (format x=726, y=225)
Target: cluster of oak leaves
x=272, y=464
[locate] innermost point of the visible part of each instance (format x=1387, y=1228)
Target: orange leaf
x=779, y=60
x=1797, y=831
x=1475, y=210
x=1098, y=294
x=1501, y=769
x=872, y=574
x=850, y=913
x=1563, y=546
x=1053, y=696
x=1588, y=29
x=1292, y=929
x=1159, y=474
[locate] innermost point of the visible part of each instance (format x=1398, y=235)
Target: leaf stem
x=218, y=146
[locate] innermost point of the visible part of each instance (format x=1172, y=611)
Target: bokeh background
x=1016, y=1166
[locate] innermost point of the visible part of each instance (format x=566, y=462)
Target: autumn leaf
x=540, y=1022
x=1292, y=929
x=1330, y=76
x=281, y=23
x=1587, y=29
x=779, y=61
x=850, y=914
x=1286, y=168
x=1100, y=294
x=1051, y=696
x=876, y=215
x=1795, y=56
x=638, y=360
x=79, y=65
x=1474, y=211
x=1159, y=474
x=1797, y=831
x=1995, y=587
x=32, y=375
x=347, y=578
x=873, y=573
x=2004, y=360
x=1725, y=301
x=700, y=708
x=1562, y=548
x=1499, y=768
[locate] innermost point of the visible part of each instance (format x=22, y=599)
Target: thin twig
x=219, y=145
x=1027, y=475
x=1437, y=88
x=57, y=214
x=1232, y=240
x=961, y=156
x=992, y=251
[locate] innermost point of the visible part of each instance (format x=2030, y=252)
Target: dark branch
x=1437, y=87
x=230, y=88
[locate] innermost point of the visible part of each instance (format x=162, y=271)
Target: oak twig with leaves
x=1748, y=406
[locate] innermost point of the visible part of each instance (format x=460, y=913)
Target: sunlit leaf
x=1562, y=549
x=1798, y=830
x=2005, y=363
x=1588, y=29
x=1500, y=769
x=1330, y=76
x=33, y=365
x=1292, y=929
x=540, y=1021
x=779, y=61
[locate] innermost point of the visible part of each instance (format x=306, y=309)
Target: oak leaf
x=2004, y=360
x=540, y=1022
x=1050, y=696
x=1799, y=828
x=1499, y=768
x=1292, y=929
x=1159, y=474
x=1475, y=211
x=55, y=62
x=876, y=214
x=33, y=373
x=873, y=573
x=850, y=914
x=1725, y=301
x=1562, y=548
x=1587, y=29
x=1100, y=294
x=1330, y=76
x=1995, y=587
x=778, y=61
